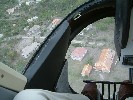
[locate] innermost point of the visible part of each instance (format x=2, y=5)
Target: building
x=105, y=60
x=54, y=23
x=37, y=1
x=32, y=19
x=34, y=31
x=86, y=70
x=28, y=50
x=78, y=53
x=1, y=35
x=10, y=11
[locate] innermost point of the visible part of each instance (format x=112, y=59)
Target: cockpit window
x=24, y=24
x=92, y=56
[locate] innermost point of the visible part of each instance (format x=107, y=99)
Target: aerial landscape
x=25, y=24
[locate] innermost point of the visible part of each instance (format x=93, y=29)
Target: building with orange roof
x=105, y=60
x=78, y=53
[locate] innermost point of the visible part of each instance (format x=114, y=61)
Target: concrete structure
x=1, y=35
x=37, y=1
x=32, y=19
x=23, y=43
x=26, y=28
x=10, y=11
x=29, y=2
x=28, y=50
x=34, y=31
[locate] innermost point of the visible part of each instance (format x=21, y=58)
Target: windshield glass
x=92, y=56
x=24, y=24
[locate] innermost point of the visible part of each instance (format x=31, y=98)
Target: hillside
x=17, y=17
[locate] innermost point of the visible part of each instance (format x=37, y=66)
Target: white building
x=32, y=19
x=29, y=2
x=10, y=11
x=1, y=35
x=37, y=1
x=28, y=50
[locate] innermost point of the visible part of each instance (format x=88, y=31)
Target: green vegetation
x=45, y=10
x=56, y=8
x=7, y=53
x=90, y=61
x=77, y=45
x=4, y=5
x=102, y=39
x=7, y=28
x=7, y=56
x=103, y=24
x=20, y=64
x=12, y=25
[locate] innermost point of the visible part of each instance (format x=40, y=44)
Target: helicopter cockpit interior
x=48, y=67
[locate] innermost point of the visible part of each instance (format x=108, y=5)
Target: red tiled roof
x=105, y=60
x=56, y=21
x=86, y=70
x=78, y=53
